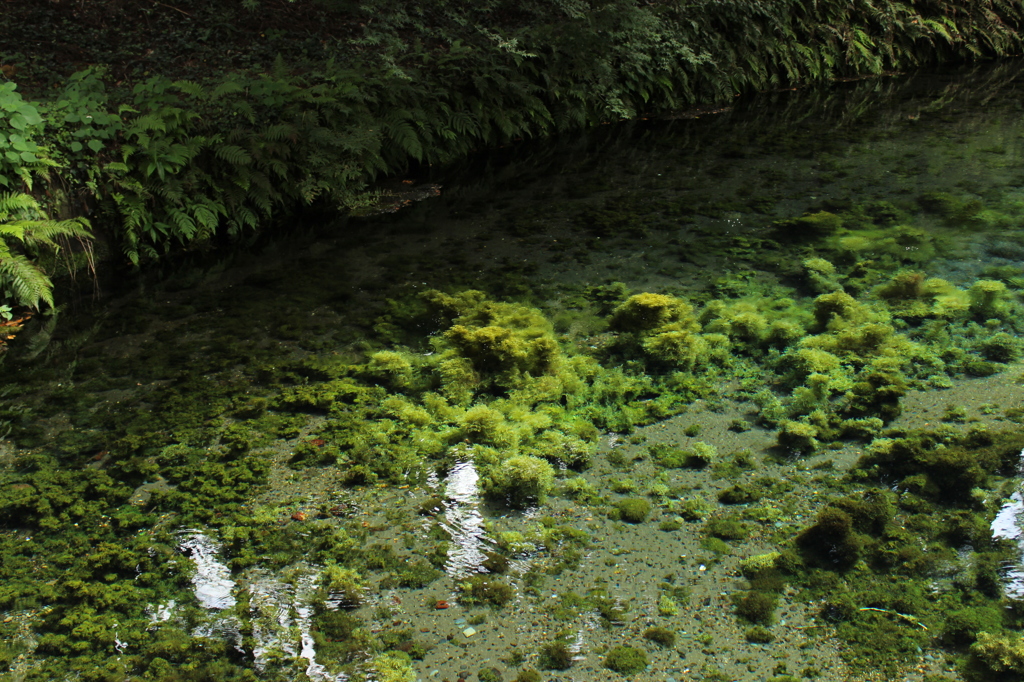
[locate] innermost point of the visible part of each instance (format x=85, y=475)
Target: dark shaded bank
x=201, y=123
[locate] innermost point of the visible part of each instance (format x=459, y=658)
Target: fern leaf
x=207, y=216
x=17, y=204
x=404, y=135
x=186, y=226
x=226, y=88
x=29, y=285
x=233, y=154
x=190, y=88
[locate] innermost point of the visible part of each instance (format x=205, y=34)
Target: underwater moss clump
x=555, y=656
x=661, y=635
x=756, y=606
x=485, y=589
x=633, y=509
x=521, y=480
x=626, y=660
x=394, y=666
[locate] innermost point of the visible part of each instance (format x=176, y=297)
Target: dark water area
x=658, y=386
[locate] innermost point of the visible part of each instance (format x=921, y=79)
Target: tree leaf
x=95, y=145
x=76, y=146
x=32, y=116
x=18, y=121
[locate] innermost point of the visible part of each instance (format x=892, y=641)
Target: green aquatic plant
x=700, y=456
x=756, y=606
x=528, y=675
x=955, y=210
x=839, y=310
x=522, y=480
x=759, y=634
x=997, y=656
x=797, y=437
x=963, y=626
x=669, y=525
x=633, y=509
x=622, y=485
x=797, y=365
x=945, y=467
x=807, y=227
x=727, y=528
x=832, y=541
x=661, y=635
x=741, y=493
x=489, y=675
x=395, y=370
x=752, y=566
x=821, y=276
x=1000, y=347
x=647, y=312
x=579, y=489
x=626, y=660
x=394, y=666
x=485, y=589
x=684, y=349
x=988, y=299
x=745, y=322
x=667, y=606
x=695, y=509
x=555, y=656
x=344, y=584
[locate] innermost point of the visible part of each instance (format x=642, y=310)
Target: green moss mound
x=626, y=660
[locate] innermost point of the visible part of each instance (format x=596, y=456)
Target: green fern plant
x=25, y=233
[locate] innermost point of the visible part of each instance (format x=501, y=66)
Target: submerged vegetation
x=499, y=388
x=484, y=434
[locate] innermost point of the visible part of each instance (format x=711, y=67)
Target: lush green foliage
x=24, y=233
x=177, y=162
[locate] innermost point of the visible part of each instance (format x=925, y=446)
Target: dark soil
x=44, y=41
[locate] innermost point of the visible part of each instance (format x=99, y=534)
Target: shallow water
x=687, y=207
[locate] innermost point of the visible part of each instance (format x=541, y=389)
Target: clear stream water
x=680, y=206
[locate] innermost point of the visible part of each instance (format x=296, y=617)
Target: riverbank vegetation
x=208, y=122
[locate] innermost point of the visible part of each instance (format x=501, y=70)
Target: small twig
x=172, y=7
x=909, y=618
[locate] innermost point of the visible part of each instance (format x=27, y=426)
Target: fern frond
x=186, y=227
x=17, y=204
x=403, y=134
x=226, y=88
x=27, y=283
x=233, y=154
x=190, y=88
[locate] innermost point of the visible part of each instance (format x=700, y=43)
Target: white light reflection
x=463, y=521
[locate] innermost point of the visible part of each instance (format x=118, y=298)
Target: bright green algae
x=823, y=313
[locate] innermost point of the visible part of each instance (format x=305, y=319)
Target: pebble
x=469, y=632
